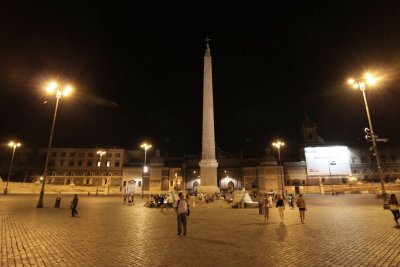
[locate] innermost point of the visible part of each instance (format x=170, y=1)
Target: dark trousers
x=74, y=211
x=396, y=215
x=181, y=219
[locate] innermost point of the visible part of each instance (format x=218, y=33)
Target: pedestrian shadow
x=281, y=232
x=211, y=241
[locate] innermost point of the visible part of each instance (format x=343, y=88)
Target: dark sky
x=137, y=70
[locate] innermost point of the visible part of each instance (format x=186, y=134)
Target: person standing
x=394, y=208
x=280, y=204
x=269, y=201
x=301, y=203
x=161, y=203
x=74, y=205
x=265, y=207
x=180, y=210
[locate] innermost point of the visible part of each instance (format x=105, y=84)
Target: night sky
x=138, y=70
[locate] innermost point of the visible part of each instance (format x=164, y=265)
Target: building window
x=63, y=154
x=90, y=154
x=72, y=154
x=171, y=183
x=353, y=160
x=98, y=163
x=80, y=163
x=393, y=158
x=117, y=155
x=51, y=163
x=303, y=182
x=54, y=154
x=117, y=164
x=61, y=163
x=108, y=164
x=81, y=154
x=109, y=155
x=165, y=173
x=89, y=163
x=140, y=183
x=309, y=136
x=70, y=163
x=363, y=160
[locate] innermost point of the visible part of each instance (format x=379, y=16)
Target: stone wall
x=34, y=188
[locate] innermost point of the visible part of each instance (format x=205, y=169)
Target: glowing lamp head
x=351, y=81
x=52, y=87
x=145, y=169
x=67, y=91
x=370, y=78
x=14, y=144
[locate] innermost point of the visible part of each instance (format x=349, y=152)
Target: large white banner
x=330, y=160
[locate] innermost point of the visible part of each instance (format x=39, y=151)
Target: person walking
x=265, y=207
x=394, y=208
x=280, y=204
x=301, y=203
x=74, y=205
x=180, y=210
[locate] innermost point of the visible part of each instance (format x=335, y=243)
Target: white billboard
x=330, y=160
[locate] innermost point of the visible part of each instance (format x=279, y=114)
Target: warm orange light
x=370, y=78
x=351, y=81
x=52, y=87
x=67, y=90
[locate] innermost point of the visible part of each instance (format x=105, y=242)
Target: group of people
x=267, y=202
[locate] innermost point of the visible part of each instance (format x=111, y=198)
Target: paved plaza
x=344, y=230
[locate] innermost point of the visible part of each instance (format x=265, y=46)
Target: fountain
x=243, y=200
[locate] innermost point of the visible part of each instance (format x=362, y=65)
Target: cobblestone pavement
x=344, y=230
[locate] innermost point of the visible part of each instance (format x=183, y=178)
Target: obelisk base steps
x=208, y=174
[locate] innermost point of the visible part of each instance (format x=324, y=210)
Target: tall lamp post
x=100, y=153
x=14, y=145
x=53, y=88
x=361, y=85
x=145, y=146
x=330, y=163
x=278, y=144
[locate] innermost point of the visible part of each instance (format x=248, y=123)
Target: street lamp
x=52, y=88
x=331, y=163
x=145, y=146
x=100, y=153
x=278, y=144
x=361, y=85
x=14, y=145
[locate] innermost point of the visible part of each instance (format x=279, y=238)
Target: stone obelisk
x=208, y=164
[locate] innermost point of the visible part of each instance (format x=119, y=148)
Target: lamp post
x=330, y=174
x=14, y=145
x=278, y=144
x=145, y=146
x=361, y=85
x=51, y=89
x=100, y=153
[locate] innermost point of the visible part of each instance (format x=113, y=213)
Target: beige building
x=82, y=166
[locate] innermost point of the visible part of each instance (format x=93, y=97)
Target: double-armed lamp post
x=360, y=84
x=145, y=146
x=278, y=144
x=53, y=88
x=100, y=153
x=14, y=145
